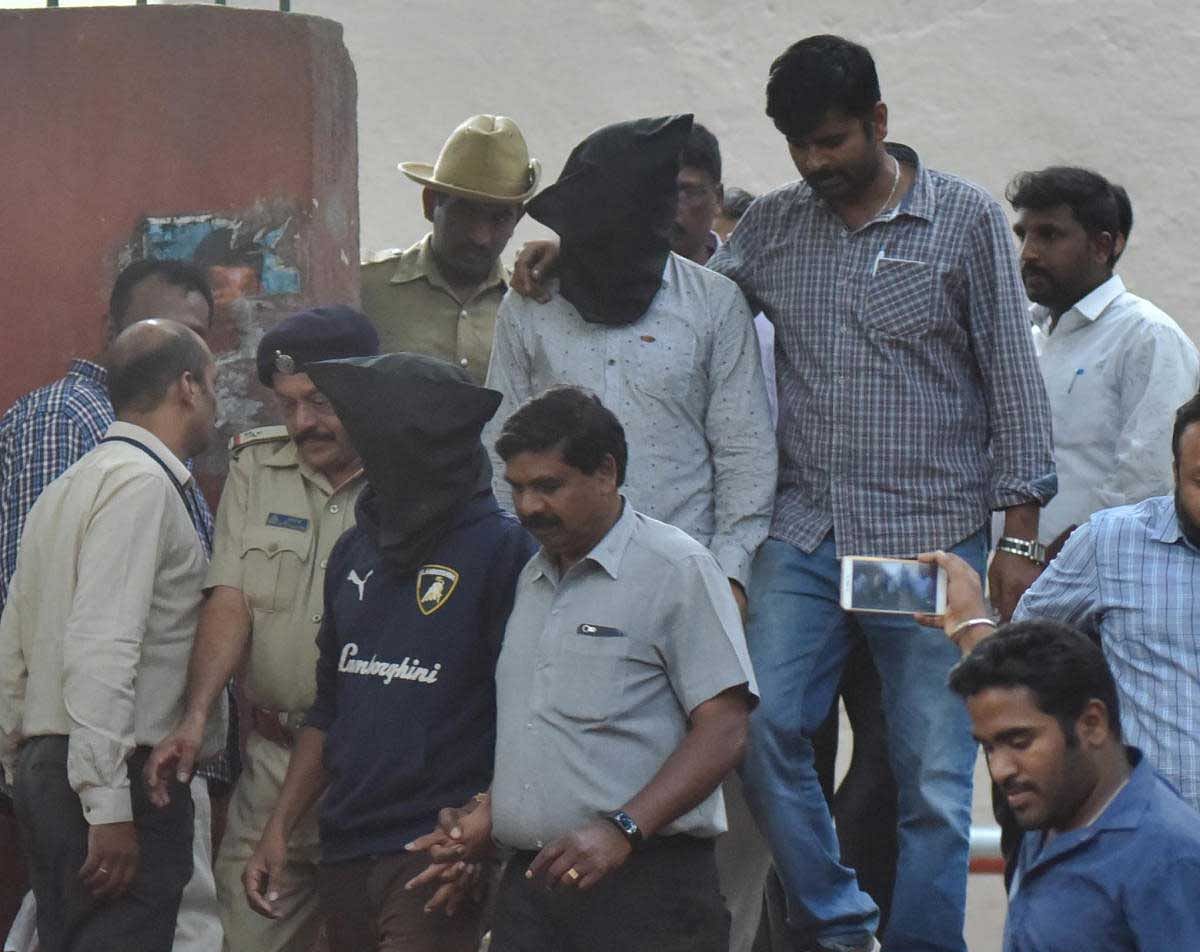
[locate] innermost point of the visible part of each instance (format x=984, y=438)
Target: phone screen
x=893, y=585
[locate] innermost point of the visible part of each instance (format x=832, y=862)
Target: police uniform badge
x=435, y=585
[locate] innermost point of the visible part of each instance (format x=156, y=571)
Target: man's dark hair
x=140, y=376
x=737, y=200
x=179, y=274
x=1097, y=204
x=702, y=152
x=817, y=77
x=1185, y=416
x=572, y=421
x=1062, y=667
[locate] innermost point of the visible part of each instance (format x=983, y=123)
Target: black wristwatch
x=628, y=828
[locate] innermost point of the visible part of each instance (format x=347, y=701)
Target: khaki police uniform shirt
x=277, y=522
x=414, y=310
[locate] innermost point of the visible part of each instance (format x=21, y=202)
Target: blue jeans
x=799, y=638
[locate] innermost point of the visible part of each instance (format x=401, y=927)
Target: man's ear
x=1092, y=727
x=1107, y=246
x=429, y=202
x=879, y=119
x=608, y=469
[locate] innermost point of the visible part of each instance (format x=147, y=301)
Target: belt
x=279, y=727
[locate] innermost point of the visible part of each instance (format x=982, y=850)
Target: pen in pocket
x=1078, y=374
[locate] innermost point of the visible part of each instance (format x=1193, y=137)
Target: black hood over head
x=612, y=207
x=415, y=422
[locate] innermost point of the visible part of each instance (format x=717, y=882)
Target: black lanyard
x=192, y=509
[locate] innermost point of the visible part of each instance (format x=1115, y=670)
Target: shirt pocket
x=899, y=301
x=274, y=563
x=664, y=367
x=591, y=676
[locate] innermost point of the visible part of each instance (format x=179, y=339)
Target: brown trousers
x=367, y=908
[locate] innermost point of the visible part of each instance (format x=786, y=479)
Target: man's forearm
x=704, y=758
x=221, y=639
x=305, y=781
x=1021, y=522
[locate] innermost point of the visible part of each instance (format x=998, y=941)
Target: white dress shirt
x=98, y=628
x=1115, y=368
x=686, y=382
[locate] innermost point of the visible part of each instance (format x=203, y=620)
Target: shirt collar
x=423, y=265
x=921, y=199
x=607, y=553
x=1127, y=807
x=288, y=455
x=1089, y=307
x=1125, y=812
x=131, y=431
x=1092, y=304
x=1164, y=526
x=89, y=370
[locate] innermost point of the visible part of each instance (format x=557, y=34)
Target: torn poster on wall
x=250, y=260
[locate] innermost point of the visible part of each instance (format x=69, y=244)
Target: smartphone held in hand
x=895, y=586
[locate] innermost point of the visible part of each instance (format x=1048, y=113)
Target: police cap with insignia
x=320, y=333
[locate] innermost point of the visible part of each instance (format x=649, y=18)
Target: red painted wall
x=108, y=116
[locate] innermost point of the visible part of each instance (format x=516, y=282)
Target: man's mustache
x=313, y=436
x=534, y=523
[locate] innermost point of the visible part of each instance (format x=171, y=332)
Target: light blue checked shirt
x=910, y=402
x=1130, y=577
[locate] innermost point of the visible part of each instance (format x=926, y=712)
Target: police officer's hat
x=320, y=333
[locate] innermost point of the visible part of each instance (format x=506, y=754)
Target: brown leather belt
x=279, y=727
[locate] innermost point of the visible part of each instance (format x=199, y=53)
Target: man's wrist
x=1029, y=549
x=627, y=826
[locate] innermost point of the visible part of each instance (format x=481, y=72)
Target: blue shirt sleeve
x=1069, y=590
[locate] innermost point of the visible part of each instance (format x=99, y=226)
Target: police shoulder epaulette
x=259, y=434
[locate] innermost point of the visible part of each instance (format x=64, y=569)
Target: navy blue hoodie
x=405, y=680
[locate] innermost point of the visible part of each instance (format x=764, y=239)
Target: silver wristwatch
x=1027, y=548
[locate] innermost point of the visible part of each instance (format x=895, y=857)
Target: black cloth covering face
x=415, y=422
x=612, y=208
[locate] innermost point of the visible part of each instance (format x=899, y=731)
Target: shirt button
x=317, y=617
x=611, y=361
x=462, y=313
x=529, y=724
x=324, y=563
x=463, y=362
x=334, y=507
x=554, y=611
x=273, y=547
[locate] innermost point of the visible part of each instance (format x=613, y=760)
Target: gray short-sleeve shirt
x=599, y=673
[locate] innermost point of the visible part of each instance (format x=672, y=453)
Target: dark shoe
x=868, y=944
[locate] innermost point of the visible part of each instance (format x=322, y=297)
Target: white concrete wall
x=983, y=88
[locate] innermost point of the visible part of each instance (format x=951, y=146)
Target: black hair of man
x=1185, y=416
x=737, y=200
x=571, y=420
x=702, y=152
x=147, y=358
x=179, y=274
x=817, y=77
x=1063, y=669
x=1097, y=204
